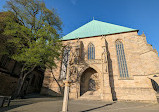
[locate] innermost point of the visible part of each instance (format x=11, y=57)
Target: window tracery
x=121, y=60
x=91, y=51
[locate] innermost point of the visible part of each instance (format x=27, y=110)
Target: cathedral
x=106, y=62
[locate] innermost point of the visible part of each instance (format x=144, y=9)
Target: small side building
x=9, y=75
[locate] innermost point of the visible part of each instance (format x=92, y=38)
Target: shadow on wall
x=111, y=77
x=7, y=84
x=155, y=85
x=83, y=55
x=47, y=91
x=86, y=82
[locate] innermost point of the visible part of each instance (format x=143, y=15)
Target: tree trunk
x=20, y=86
x=21, y=82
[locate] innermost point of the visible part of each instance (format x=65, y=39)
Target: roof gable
x=96, y=28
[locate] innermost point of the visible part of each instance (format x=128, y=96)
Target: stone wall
x=142, y=61
x=7, y=84
x=9, y=74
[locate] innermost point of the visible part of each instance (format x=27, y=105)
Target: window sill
x=127, y=78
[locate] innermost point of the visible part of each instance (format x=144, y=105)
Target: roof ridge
x=96, y=28
x=112, y=24
x=78, y=28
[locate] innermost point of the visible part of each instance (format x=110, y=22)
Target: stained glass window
x=121, y=60
x=91, y=51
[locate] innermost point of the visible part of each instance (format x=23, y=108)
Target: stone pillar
x=107, y=95
x=106, y=89
x=66, y=92
x=66, y=96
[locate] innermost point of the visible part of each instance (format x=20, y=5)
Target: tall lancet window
x=65, y=60
x=91, y=51
x=121, y=60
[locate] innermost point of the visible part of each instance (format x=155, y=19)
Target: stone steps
x=90, y=98
x=90, y=95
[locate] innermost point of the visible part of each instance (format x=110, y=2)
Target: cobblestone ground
x=54, y=104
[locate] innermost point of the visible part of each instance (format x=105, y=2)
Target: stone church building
x=106, y=62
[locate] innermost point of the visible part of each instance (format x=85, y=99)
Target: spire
x=143, y=34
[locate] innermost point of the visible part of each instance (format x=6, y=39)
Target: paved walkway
x=50, y=104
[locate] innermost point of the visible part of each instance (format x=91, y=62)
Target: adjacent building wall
x=9, y=74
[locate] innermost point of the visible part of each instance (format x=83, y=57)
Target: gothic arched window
x=121, y=60
x=91, y=51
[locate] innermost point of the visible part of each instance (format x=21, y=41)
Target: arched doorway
x=89, y=81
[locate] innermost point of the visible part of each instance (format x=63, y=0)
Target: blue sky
x=138, y=14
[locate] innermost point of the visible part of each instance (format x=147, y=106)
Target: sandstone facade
x=100, y=78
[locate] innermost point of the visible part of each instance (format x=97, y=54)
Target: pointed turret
x=143, y=34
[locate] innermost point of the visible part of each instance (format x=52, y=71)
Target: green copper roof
x=96, y=28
